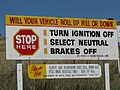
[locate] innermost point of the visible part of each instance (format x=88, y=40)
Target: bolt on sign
x=48, y=71
x=52, y=38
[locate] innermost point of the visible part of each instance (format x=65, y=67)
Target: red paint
x=26, y=42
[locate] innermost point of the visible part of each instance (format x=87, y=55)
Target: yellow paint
x=37, y=71
x=59, y=22
x=45, y=51
x=45, y=41
x=45, y=32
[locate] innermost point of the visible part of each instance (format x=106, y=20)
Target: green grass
x=8, y=76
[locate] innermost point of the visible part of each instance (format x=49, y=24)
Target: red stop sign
x=26, y=42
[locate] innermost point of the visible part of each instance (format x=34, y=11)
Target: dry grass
x=8, y=76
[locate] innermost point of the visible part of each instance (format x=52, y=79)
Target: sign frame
x=95, y=48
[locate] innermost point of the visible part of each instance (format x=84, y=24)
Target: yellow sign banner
x=37, y=71
x=50, y=71
x=59, y=22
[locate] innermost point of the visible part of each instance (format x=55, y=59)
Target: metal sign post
x=107, y=79
x=118, y=65
x=19, y=76
x=118, y=38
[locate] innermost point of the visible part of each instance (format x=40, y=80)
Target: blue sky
x=98, y=9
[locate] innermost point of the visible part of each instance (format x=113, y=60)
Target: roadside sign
x=47, y=71
x=31, y=37
x=26, y=42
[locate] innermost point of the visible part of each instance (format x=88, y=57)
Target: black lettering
x=93, y=43
x=84, y=33
x=52, y=42
x=52, y=50
x=77, y=51
x=64, y=51
x=108, y=34
x=62, y=42
x=90, y=51
x=59, y=32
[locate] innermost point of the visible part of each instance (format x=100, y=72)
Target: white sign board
x=38, y=71
x=36, y=41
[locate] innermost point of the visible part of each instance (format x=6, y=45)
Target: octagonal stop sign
x=26, y=42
